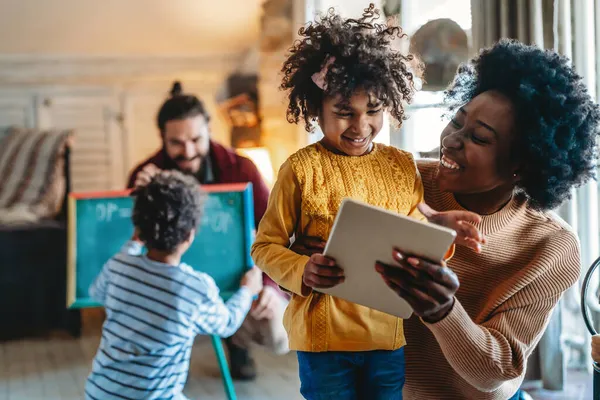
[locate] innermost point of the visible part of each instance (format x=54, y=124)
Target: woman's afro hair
x=556, y=119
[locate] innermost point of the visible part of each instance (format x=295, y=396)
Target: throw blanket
x=32, y=181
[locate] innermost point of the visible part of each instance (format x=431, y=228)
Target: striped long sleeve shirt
x=153, y=313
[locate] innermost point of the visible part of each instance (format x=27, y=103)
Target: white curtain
x=570, y=27
x=578, y=27
x=529, y=21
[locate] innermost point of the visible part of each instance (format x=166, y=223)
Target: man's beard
x=182, y=158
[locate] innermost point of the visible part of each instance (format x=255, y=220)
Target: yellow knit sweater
x=304, y=202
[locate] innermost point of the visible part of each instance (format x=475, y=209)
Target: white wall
x=347, y=8
x=133, y=49
x=127, y=27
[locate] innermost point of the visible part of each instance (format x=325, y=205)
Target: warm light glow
x=260, y=157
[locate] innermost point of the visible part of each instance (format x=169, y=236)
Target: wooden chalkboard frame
x=87, y=302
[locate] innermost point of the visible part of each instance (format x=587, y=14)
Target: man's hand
x=145, y=175
x=266, y=305
x=460, y=221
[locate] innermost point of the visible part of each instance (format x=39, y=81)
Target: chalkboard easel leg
x=225, y=374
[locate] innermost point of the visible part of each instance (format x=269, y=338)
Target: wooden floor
x=55, y=368
x=579, y=387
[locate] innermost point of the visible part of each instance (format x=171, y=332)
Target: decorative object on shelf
x=392, y=8
x=442, y=45
x=241, y=110
x=276, y=25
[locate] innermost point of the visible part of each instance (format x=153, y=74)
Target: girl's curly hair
x=364, y=59
x=557, y=121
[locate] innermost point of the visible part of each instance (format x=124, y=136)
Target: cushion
x=32, y=177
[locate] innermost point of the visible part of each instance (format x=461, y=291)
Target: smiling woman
x=477, y=149
x=523, y=134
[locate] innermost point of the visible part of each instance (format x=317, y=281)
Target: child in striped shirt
x=156, y=305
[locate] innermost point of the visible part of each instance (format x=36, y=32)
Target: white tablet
x=363, y=234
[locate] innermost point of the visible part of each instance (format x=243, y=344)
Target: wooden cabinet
x=16, y=109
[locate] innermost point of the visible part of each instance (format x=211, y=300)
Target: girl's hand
x=321, y=272
x=428, y=287
x=307, y=245
x=460, y=221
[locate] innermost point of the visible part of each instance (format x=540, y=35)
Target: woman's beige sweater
x=505, y=300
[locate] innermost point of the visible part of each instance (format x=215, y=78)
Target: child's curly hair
x=557, y=120
x=167, y=209
x=364, y=59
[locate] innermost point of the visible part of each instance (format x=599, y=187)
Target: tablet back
x=363, y=234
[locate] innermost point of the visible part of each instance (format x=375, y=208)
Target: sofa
x=33, y=234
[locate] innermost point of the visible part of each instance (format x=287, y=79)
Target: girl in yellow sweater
x=344, y=74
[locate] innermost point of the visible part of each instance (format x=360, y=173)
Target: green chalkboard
x=100, y=224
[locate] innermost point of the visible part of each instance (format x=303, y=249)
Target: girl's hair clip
x=319, y=77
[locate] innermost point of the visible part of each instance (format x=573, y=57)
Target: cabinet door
x=97, y=159
x=16, y=109
x=142, y=132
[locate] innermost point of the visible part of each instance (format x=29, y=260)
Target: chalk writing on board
x=215, y=217
x=218, y=221
x=106, y=212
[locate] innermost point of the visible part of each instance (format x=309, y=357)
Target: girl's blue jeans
x=377, y=375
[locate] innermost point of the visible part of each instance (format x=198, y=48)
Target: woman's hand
x=460, y=221
x=429, y=288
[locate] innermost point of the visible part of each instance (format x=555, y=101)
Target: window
x=420, y=133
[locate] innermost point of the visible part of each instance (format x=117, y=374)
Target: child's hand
x=136, y=236
x=596, y=348
x=459, y=221
x=253, y=281
x=321, y=272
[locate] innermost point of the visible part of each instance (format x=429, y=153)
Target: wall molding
x=40, y=69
